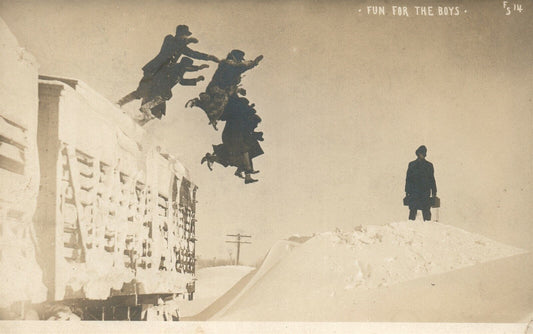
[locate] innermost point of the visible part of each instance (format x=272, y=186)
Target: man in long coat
x=155, y=92
x=173, y=47
x=239, y=139
x=420, y=185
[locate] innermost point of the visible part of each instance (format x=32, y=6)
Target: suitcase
x=435, y=202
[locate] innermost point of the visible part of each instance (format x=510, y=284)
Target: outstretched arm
x=189, y=40
x=191, y=82
x=199, y=55
x=194, y=68
x=246, y=64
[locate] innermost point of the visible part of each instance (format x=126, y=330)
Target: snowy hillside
x=340, y=276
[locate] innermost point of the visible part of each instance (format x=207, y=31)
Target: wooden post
x=74, y=177
x=238, y=242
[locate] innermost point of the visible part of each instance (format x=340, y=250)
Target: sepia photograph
x=269, y=166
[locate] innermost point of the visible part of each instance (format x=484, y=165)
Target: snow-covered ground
x=212, y=283
x=376, y=273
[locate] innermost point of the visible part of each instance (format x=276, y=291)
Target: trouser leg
x=426, y=213
x=251, y=165
x=128, y=98
x=247, y=163
x=238, y=172
x=412, y=214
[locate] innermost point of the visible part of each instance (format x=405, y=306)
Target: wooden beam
x=74, y=174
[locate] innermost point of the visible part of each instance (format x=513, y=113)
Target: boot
x=209, y=158
x=238, y=173
x=248, y=179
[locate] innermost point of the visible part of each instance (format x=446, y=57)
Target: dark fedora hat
x=183, y=30
x=237, y=54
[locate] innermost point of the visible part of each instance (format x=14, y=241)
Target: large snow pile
x=321, y=279
x=385, y=255
x=212, y=283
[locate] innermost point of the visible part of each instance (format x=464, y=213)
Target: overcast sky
x=345, y=99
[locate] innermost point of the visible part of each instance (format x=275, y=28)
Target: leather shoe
x=246, y=181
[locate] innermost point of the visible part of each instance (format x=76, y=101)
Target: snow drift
x=326, y=278
x=212, y=283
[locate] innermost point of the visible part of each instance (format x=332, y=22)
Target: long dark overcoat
x=420, y=183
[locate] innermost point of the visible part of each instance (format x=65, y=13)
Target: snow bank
x=397, y=252
x=331, y=269
x=212, y=283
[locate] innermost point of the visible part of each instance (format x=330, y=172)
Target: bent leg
x=238, y=173
x=247, y=164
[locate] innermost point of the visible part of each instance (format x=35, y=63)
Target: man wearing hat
x=159, y=68
x=225, y=83
x=173, y=47
x=420, y=185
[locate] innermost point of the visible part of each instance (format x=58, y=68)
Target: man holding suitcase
x=420, y=185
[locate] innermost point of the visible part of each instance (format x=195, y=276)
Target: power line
x=238, y=242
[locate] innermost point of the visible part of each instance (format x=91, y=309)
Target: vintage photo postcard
x=299, y=166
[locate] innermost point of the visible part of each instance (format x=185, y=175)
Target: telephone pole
x=238, y=242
